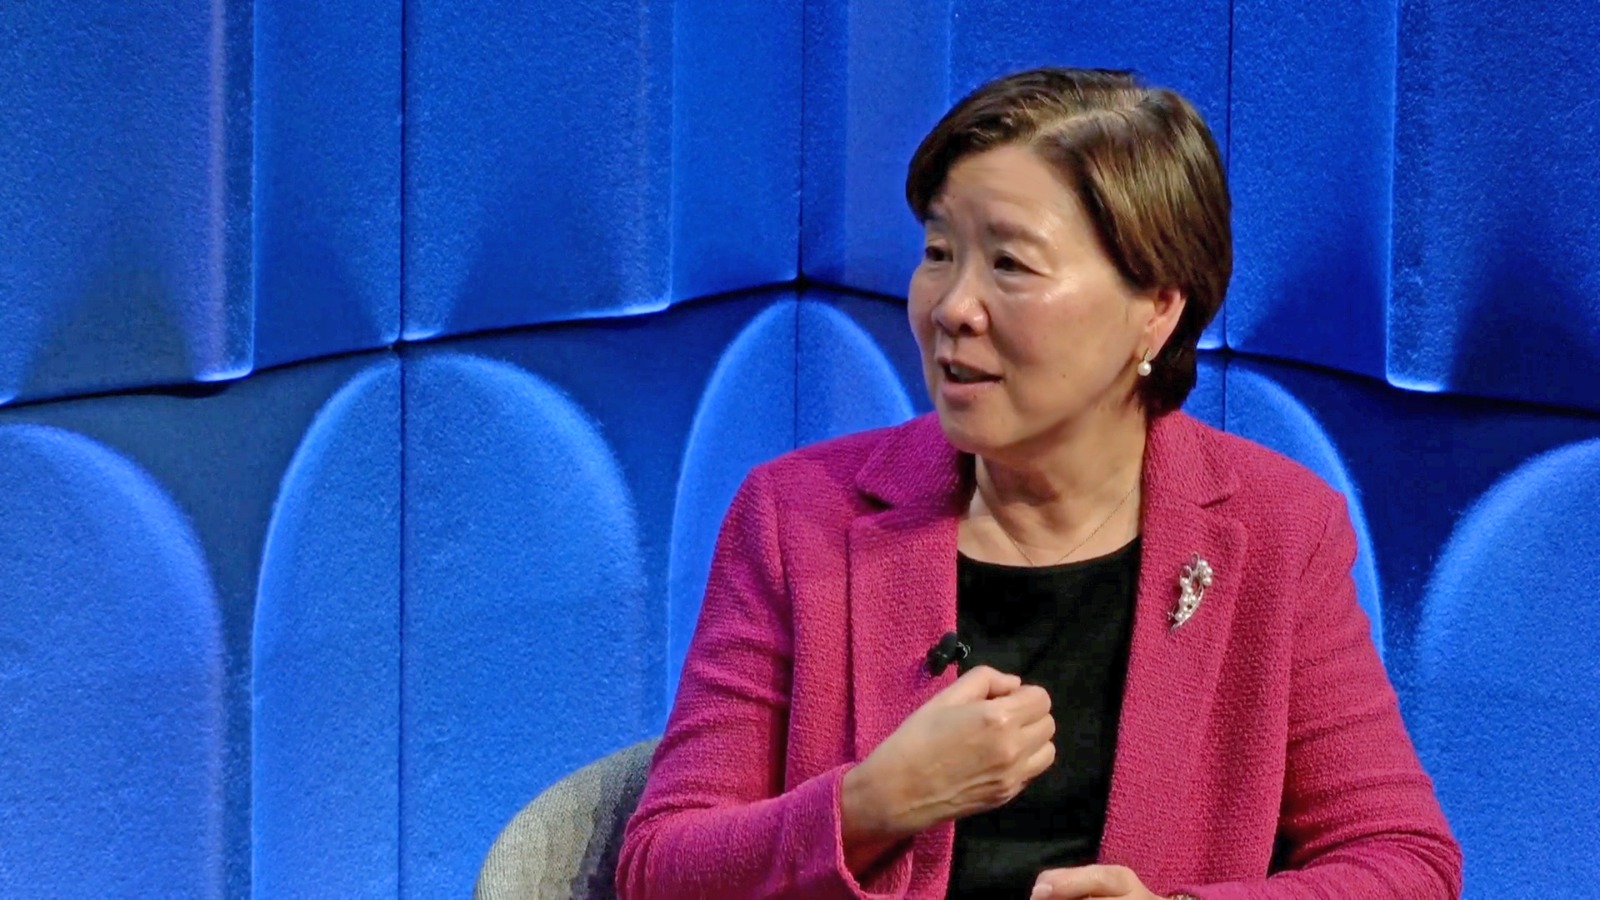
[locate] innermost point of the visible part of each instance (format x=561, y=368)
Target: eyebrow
x=1002, y=229
x=1011, y=231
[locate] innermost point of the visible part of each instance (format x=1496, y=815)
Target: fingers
x=982, y=683
x=1086, y=881
x=1027, y=704
x=1037, y=738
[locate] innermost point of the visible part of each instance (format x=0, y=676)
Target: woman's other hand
x=971, y=748
x=1098, y=882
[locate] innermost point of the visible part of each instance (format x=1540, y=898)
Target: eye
x=934, y=253
x=1005, y=262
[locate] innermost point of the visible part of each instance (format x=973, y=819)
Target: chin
x=969, y=433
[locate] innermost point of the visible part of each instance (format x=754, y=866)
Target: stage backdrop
x=374, y=375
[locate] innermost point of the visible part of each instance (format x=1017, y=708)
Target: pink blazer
x=1260, y=750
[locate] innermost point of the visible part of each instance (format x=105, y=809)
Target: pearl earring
x=1144, y=365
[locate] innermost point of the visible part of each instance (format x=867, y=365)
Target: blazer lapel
x=902, y=563
x=902, y=600
x=902, y=592
x=1172, y=673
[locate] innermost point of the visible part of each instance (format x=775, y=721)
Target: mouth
x=963, y=374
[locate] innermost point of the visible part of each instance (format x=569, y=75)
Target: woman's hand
x=1085, y=882
x=972, y=747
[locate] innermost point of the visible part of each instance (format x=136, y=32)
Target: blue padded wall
x=327, y=177
x=111, y=666
x=1413, y=465
x=1509, y=678
x=747, y=412
x=325, y=656
x=187, y=191
x=123, y=201
x=1414, y=193
x=845, y=380
x=879, y=75
x=1311, y=166
x=514, y=633
x=276, y=622
x=235, y=466
x=568, y=161
x=1496, y=202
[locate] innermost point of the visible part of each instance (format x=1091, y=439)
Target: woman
x=1166, y=685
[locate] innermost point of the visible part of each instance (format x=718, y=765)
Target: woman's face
x=1026, y=327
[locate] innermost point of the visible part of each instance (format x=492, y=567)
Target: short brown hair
x=1146, y=169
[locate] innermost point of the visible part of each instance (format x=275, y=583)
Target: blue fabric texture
x=374, y=377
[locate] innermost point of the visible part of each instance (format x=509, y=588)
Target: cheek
x=920, y=301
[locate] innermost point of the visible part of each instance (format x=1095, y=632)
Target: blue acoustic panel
x=570, y=161
x=845, y=381
x=111, y=670
x=327, y=177
x=1497, y=210
x=879, y=75
x=124, y=179
x=746, y=415
x=877, y=78
x=648, y=403
x=1262, y=410
x=221, y=457
x=1208, y=401
x=525, y=617
x=325, y=657
x=1312, y=164
x=1416, y=462
x=1509, y=686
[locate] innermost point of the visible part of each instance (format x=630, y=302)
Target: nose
x=961, y=310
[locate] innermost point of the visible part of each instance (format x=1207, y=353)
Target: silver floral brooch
x=1192, y=586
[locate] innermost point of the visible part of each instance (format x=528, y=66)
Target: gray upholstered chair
x=565, y=843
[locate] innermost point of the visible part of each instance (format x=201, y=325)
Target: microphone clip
x=949, y=650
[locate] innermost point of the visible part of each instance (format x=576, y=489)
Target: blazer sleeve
x=1359, y=818
x=714, y=820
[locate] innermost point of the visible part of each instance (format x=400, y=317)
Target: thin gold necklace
x=1103, y=522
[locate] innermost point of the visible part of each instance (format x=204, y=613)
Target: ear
x=1167, y=306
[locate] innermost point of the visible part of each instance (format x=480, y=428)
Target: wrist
x=862, y=808
x=866, y=827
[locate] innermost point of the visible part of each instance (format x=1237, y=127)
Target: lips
x=963, y=373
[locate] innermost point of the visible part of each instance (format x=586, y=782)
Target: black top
x=1065, y=628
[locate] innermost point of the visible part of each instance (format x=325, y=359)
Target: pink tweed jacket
x=1260, y=751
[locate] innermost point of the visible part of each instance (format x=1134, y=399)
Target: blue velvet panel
x=1497, y=280
x=189, y=191
x=581, y=161
x=1261, y=409
x=879, y=76
x=124, y=179
x=273, y=625
x=1509, y=686
x=221, y=460
x=326, y=149
x=1414, y=462
x=845, y=381
x=1208, y=401
x=1312, y=170
x=325, y=656
x=111, y=671
x=718, y=375
x=525, y=623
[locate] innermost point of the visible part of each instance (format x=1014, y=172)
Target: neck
x=1048, y=498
